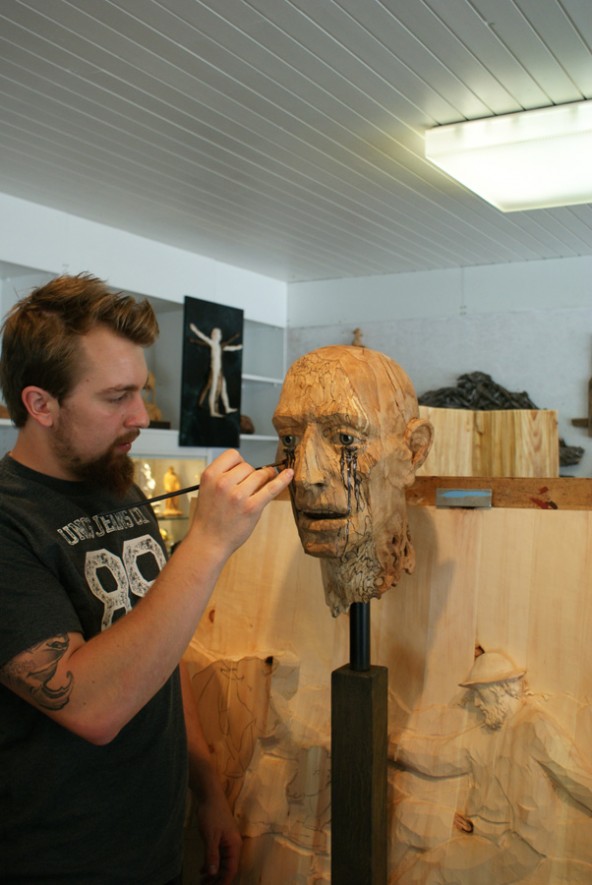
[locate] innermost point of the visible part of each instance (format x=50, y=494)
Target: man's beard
x=112, y=470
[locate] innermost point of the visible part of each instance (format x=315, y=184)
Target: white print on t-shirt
x=86, y=528
x=125, y=573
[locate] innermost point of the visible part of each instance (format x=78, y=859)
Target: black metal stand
x=359, y=703
x=359, y=636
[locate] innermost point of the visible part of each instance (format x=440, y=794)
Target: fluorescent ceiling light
x=528, y=160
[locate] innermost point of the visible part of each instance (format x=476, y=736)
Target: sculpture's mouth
x=322, y=520
x=324, y=514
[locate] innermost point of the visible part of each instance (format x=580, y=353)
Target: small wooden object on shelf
x=586, y=422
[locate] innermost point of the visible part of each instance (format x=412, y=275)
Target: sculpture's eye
x=288, y=441
x=346, y=439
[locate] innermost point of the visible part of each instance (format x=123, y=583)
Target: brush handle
x=180, y=492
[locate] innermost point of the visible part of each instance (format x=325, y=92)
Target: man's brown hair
x=41, y=334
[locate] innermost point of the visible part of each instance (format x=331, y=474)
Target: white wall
x=527, y=325
x=46, y=240
x=565, y=282
x=37, y=242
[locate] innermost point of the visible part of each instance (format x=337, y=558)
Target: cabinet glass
x=157, y=476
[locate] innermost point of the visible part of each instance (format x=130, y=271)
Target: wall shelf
x=257, y=437
x=159, y=443
x=262, y=379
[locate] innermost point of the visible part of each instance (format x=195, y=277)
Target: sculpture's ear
x=419, y=435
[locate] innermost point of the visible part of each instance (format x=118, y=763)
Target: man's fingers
x=274, y=482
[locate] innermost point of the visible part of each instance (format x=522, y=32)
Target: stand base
x=359, y=702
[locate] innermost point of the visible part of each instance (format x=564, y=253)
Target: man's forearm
x=110, y=677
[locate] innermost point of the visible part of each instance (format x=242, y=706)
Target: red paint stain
x=544, y=505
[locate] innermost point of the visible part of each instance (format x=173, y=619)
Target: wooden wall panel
x=517, y=580
x=514, y=442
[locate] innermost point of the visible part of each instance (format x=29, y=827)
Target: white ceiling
x=285, y=136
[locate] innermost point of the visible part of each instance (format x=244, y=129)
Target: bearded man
x=99, y=734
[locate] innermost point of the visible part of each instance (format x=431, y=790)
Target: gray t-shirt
x=70, y=811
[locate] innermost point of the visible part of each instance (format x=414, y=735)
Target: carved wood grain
x=510, y=578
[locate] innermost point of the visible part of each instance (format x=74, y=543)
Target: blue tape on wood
x=470, y=498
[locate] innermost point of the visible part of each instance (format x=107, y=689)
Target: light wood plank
x=512, y=442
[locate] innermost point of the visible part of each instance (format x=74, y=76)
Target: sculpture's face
x=342, y=430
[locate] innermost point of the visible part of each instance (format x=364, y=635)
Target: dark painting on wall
x=211, y=374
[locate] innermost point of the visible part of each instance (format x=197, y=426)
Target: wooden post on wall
x=359, y=701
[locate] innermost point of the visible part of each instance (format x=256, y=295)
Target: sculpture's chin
x=324, y=538
x=327, y=548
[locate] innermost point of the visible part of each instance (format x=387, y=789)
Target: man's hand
x=231, y=499
x=221, y=838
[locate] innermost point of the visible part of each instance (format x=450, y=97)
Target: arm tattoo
x=31, y=673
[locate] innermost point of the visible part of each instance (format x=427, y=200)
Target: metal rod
x=359, y=635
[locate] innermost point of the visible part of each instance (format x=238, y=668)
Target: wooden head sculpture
x=348, y=423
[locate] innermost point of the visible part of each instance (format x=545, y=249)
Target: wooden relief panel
x=486, y=786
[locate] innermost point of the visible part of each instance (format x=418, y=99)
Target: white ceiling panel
x=285, y=136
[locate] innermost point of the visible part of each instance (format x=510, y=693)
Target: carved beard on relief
x=494, y=714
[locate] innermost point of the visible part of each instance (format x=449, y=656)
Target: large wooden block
x=261, y=661
x=514, y=442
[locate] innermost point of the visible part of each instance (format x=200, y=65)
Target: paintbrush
x=174, y=494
